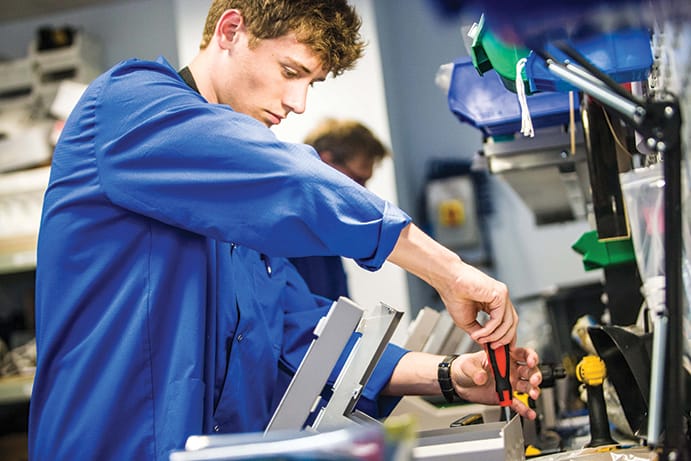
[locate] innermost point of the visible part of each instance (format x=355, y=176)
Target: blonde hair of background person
x=349, y=146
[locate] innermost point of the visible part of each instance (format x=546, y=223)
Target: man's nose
x=295, y=98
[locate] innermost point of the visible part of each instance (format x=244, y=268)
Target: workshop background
x=392, y=90
x=397, y=89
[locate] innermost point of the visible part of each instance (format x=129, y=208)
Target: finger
x=524, y=357
x=495, y=306
x=506, y=332
x=522, y=409
x=529, y=385
x=530, y=373
x=527, y=388
x=496, y=327
x=481, y=334
x=472, y=329
x=535, y=380
x=508, y=337
x=526, y=373
x=531, y=358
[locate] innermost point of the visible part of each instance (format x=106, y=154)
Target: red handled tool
x=499, y=359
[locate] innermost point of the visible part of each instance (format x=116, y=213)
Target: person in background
x=351, y=148
x=165, y=305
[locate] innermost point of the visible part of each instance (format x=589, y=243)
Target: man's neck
x=198, y=68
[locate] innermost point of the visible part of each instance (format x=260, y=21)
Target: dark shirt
x=324, y=275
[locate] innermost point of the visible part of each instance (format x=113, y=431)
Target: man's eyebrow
x=298, y=65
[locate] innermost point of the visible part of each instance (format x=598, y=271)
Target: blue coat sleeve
x=302, y=312
x=164, y=152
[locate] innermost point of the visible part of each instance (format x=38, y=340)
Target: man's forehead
x=301, y=56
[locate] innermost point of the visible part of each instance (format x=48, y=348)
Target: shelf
x=18, y=254
x=21, y=197
x=16, y=389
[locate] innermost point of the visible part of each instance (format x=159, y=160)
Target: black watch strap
x=444, y=378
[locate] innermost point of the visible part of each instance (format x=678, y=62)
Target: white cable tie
x=526, y=121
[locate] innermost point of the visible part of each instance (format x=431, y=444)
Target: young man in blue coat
x=163, y=304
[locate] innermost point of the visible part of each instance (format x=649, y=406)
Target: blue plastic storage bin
x=485, y=103
x=535, y=23
x=625, y=56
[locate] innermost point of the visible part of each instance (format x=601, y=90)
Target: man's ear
x=230, y=23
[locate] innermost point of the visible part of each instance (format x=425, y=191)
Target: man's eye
x=289, y=72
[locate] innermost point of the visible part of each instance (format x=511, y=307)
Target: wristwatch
x=444, y=378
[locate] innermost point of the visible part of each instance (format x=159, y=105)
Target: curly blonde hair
x=346, y=139
x=329, y=27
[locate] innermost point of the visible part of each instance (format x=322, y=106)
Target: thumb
x=473, y=369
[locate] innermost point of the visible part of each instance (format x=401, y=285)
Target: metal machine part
x=432, y=414
x=333, y=333
x=492, y=441
x=421, y=328
x=377, y=326
x=627, y=355
x=445, y=337
x=658, y=119
x=546, y=162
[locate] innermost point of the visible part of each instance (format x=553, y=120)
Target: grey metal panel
x=466, y=345
x=440, y=334
x=377, y=326
x=333, y=332
x=453, y=341
x=549, y=178
x=488, y=442
x=421, y=328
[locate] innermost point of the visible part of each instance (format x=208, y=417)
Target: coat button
x=240, y=337
x=217, y=428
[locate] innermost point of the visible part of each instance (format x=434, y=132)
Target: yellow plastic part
x=607, y=448
x=531, y=450
x=522, y=396
x=591, y=370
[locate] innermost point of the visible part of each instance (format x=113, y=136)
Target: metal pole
x=599, y=92
x=674, y=386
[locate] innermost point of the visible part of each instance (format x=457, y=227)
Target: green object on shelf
x=598, y=253
x=503, y=137
x=489, y=52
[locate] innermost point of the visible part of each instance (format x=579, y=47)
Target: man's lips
x=274, y=119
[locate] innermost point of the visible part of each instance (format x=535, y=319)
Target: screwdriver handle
x=499, y=359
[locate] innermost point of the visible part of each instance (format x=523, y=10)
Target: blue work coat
x=324, y=275
x=156, y=315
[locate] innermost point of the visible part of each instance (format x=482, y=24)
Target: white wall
x=358, y=93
